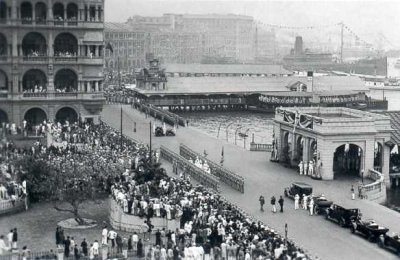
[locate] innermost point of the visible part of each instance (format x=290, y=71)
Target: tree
x=76, y=182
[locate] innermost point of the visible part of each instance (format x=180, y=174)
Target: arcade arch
x=40, y=12
x=34, y=116
x=72, y=12
x=3, y=11
x=26, y=11
x=65, y=45
x=347, y=160
x=34, y=80
x=58, y=12
x=66, y=80
x=34, y=44
x=66, y=114
x=3, y=81
x=3, y=117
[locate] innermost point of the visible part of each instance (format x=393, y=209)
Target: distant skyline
x=367, y=19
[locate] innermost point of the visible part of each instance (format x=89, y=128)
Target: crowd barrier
x=158, y=113
x=196, y=173
x=10, y=206
x=233, y=180
x=254, y=147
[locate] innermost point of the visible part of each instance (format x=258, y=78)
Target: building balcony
x=52, y=23
x=63, y=96
x=57, y=60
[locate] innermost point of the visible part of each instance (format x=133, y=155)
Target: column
x=294, y=149
x=96, y=14
x=326, y=156
x=96, y=86
x=368, y=155
x=385, y=163
x=306, y=149
x=33, y=14
x=88, y=13
x=50, y=45
x=65, y=13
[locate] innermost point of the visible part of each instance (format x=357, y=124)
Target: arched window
x=66, y=81
x=58, y=12
x=26, y=12
x=66, y=114
x=34, y=44
x=3, y=12
x=3, y=82
x=40, y=13
x=72, y=12
x=3, y=45
x=34, y=81
x=65, y=45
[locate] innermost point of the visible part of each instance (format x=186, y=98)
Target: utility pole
x=341, y=41
x=119, y=75
x=121, y=128
x=150, y=141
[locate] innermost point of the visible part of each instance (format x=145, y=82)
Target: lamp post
x=237, y=129
x=227, y=128
x=245, y=136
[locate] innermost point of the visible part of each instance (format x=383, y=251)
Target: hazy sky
x=366, y=18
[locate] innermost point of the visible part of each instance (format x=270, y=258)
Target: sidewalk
x=322, y=238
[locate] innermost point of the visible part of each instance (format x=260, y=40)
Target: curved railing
x=12, y=206
x=376, y=190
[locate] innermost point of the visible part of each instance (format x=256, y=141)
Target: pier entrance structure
x=334, y=141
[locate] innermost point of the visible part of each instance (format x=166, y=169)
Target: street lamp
x=237, y=129
x=227, y=128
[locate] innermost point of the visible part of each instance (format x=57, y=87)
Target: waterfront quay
x=322, y=238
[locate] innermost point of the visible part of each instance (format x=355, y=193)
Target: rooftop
x=225, y=68
x=331, y=85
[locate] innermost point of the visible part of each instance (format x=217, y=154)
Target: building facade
x=182, y=38
x=51, y=60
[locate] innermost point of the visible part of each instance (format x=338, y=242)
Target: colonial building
x=51, y=60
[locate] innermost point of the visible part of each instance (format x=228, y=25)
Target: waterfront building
x=129, y=45
x=336, y=141
x=151, y=78
x=51, y=60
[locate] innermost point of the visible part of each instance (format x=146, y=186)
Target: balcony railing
x=3, y=95
x=64, y=95
x=35, y=95
x=71, y=58
x=35, y=58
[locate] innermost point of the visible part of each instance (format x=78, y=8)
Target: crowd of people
x=210, y=227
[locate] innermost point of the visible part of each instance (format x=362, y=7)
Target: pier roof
x=395, y=123
x=331, y=85
x=226, y=69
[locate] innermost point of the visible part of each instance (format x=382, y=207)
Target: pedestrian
x=273, y=202
x=84, y=247
x=296, y=201
x=104, y=234
x=135, y=240
x=158, y=238
x=10, y=239
x=353, y=195
x=76, y=252
x=112, y=235
x=262, y=202
x=140, y=248
x=58, y=240
x=119, y=243
x=311, y=206
x=280, y=201
x=67, y=243
x=305, y=202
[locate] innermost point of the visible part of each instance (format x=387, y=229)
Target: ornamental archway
x=66, y=81
x=34, y=44
x=347, y=160
x=34, y=80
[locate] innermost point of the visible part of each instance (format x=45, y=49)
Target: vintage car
x=169, y=132
x=391, y=242
x=160, y=132
x=369, y=228
x=341, y=215
x=321, y=204
x=298, y=188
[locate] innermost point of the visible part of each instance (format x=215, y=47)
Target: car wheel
x=316, y=211
x=380, y=243
x=327, y=216
x=370, y=237
x=342, y=222
x=352, y=230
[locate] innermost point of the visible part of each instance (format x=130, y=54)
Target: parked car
x=368, y=228
x=321, y=204
x=298, y=188
x=391, y=242
x=341, y=215
x=170, y=132
x=159, y=131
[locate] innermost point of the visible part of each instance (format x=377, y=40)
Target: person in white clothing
x=301, y=167
x=104, y=234
x=296, y=201
x=135, y=240
x=3, y=247
x=311, y=205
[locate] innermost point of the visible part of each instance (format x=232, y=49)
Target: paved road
x=322, y=238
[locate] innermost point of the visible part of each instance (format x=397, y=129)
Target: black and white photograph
x=199, y=130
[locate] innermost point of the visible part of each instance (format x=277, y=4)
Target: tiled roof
x=395, y=123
